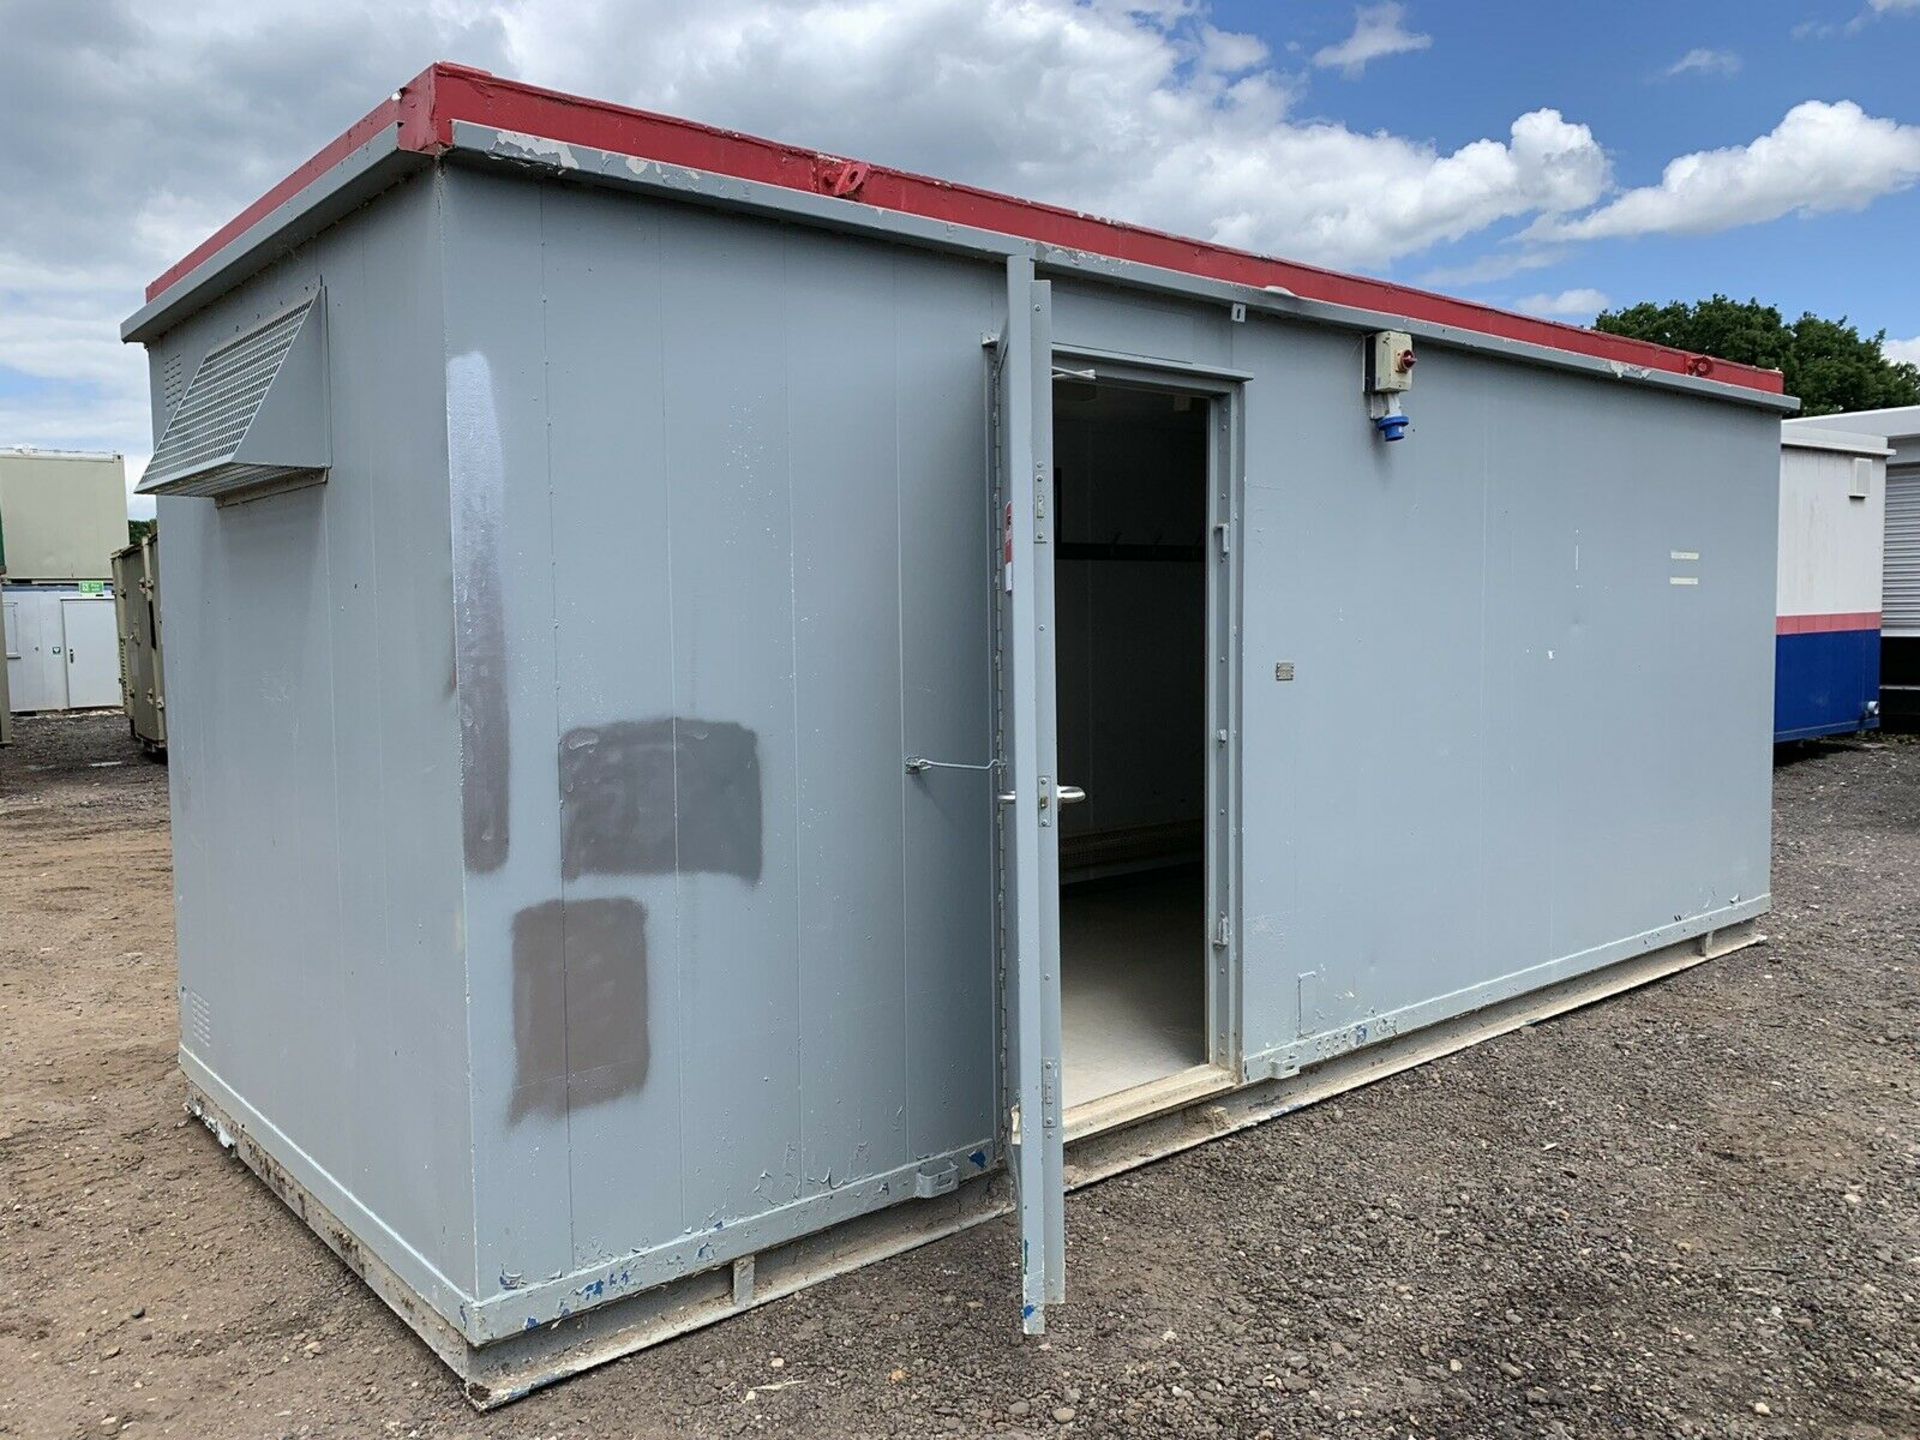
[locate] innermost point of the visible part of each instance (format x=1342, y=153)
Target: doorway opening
x=1131, y=642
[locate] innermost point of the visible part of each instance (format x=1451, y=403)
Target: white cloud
x=1566, y=305
x=1700, y=61
x=1495, y=265
x=1904, y=351
x=1227, y=53
x=1093, y=106
x=1378, y=31
x=1146, y=111
x=1875, y=9
x=1822, y=157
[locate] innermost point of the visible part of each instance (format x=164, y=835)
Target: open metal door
x=1022, y=403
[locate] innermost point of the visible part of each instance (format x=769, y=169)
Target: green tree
x=1830, y=365
x=138, y=530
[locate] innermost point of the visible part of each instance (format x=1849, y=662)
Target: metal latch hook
x=920, y=764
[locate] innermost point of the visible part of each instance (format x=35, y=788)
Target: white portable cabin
x=1899, y=427
x=62, y=515
x=63, y=647
x=777, y=708
x=1833, y=498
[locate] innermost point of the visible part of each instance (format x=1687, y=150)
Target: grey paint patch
x=579, y=1004
x=649, y=797
x=480, y=632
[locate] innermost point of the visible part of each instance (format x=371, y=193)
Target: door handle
x=1065, y=794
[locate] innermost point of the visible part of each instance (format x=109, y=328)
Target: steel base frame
x=503, y=1371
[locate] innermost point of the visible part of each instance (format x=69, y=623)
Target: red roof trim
x=383, y=115
x=427, y=107
x=1826, y=624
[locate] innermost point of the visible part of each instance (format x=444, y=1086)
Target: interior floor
x=1132, y=983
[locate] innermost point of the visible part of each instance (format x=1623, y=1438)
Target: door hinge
x=1224, y=533
x=1222, y=933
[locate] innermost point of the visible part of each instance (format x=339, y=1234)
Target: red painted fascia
x=1826, y=624
x=407, y=108
x=426, y=108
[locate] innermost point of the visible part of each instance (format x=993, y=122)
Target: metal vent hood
x=253, y=415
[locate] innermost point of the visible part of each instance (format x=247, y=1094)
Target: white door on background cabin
x=36, y=660
x=92, y=641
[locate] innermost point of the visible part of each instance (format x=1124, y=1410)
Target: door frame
x=1223, y=390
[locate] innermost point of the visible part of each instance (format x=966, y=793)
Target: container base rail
x=505, y=1370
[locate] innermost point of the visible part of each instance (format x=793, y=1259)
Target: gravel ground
x=1692, y=1210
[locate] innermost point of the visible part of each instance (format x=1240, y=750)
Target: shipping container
x=779, y=708
x=1833, y=497
x=1900, y=603
x=136, y=593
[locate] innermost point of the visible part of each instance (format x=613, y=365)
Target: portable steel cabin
x=136, y=598
x=62, y=515
x=1900, y=603
x=1826, y=666
x=62, y=653
x=644, y=602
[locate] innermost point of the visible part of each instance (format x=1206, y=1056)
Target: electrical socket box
x=1861, y=485
x=1389, y=362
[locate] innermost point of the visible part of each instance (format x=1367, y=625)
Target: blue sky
x=1608, y=66
x=1548, y=158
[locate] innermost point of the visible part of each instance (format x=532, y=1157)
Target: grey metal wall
x=314, y=773
x=723, y=549
x=1514, y=748
x=1550, y=754
x=548, y=875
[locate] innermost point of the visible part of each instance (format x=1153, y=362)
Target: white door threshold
x=1137, y=1102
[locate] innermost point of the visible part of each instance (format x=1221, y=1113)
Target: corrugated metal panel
x=1900, y=602
x=254, y=413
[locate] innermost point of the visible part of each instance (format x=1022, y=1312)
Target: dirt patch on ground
x=1654, y=1217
